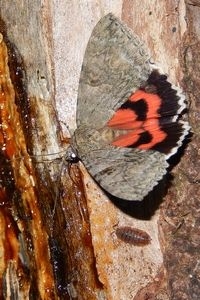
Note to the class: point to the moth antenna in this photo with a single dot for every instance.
(57, 190)
(69, 157)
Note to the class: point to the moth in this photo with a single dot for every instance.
(128, 114)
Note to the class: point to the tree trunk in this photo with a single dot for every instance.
(57, 238)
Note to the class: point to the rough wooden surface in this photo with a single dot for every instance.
(78, 237)
(31, 273)
(180, 220)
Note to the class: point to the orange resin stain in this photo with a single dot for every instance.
(6, 94)
(14, 150)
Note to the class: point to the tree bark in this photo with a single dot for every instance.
(57, 233)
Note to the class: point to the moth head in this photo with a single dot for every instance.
(72, 155)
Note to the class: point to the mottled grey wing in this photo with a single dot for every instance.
(115, 64)
(129, 174)
(126, 173)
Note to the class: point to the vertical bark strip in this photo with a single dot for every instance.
(57, 228)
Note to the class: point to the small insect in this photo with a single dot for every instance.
(133, 236)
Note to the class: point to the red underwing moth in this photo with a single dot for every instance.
(133, 236)
(128, 115)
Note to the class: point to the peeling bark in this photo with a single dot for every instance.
(57, 233)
